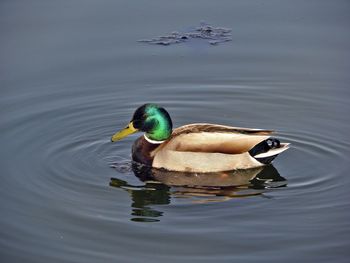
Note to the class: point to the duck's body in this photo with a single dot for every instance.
(198, 147)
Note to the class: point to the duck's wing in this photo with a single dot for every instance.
(214, 139)
(213, 142)
(208, 127)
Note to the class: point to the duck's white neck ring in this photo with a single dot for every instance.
(152, 141)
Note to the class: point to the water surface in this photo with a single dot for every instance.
(72, 74)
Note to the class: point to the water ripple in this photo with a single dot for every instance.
(71, 159)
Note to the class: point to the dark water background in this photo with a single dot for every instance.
(72, 73)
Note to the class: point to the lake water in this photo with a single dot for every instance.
(73, 72)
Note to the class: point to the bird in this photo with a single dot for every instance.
(197, 147)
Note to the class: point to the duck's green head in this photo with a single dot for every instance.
(151, 119)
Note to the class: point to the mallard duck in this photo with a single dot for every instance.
(198, 147)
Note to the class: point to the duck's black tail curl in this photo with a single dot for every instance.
(264, 147)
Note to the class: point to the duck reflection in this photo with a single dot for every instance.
(161, 185)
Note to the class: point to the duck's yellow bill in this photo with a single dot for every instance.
(124, 132)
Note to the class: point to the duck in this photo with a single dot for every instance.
(197, 147)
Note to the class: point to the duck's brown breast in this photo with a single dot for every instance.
(141, 151)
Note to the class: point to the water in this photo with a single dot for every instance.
(72, 74)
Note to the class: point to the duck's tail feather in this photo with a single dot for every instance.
(268, 150)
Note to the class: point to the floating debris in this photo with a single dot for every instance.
(213, 35)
